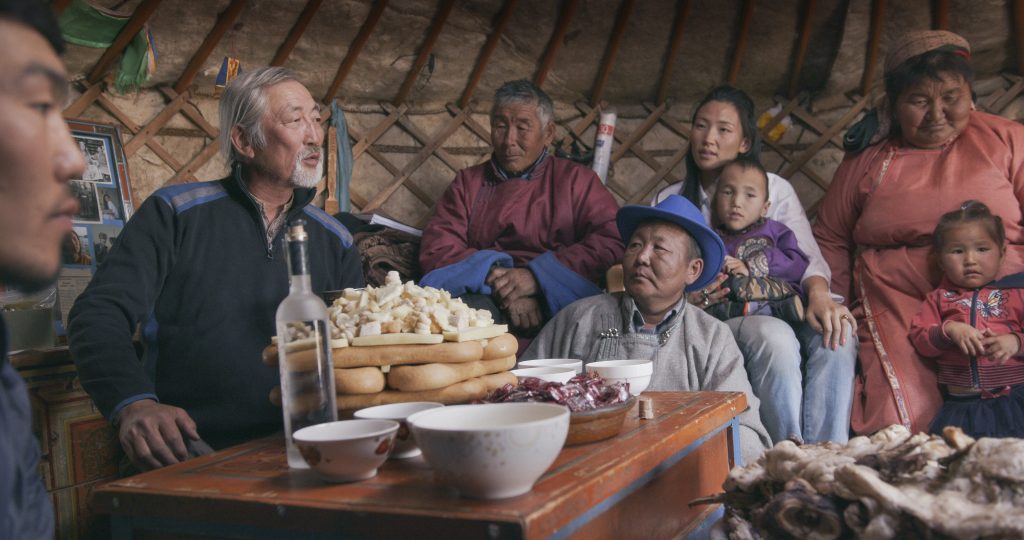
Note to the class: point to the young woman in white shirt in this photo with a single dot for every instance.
(802, 374)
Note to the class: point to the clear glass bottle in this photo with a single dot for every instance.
(304, 351)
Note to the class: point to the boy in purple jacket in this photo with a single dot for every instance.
(762, 257)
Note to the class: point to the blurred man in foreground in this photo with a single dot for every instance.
(39, 157)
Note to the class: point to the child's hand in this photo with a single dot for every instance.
(965, 336)
(1000, 348)
(734, 266)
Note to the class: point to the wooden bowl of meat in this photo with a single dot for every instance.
(597, 408)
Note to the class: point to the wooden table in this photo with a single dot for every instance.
(636, 485)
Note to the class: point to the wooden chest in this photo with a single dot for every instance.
(79, 447)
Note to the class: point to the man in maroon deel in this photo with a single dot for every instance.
(525, 233)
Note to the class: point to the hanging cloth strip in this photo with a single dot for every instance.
(88, 25)
(344, 173)
(230, 68)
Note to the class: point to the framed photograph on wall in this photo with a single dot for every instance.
(104, 190)
(105, 203)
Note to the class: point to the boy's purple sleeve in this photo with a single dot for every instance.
(786, 261)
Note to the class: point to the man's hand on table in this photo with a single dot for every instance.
(151, 433)
(525, 315)
(511, 284)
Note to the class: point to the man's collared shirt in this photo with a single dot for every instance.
(639, 325)
(525, 175)
(273, 226)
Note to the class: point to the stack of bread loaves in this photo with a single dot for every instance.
(401, 342)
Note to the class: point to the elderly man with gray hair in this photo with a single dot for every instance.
(525, 233)
(201, 269)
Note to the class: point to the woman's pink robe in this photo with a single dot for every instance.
(875, 228)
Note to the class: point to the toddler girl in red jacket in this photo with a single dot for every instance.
(972, 326)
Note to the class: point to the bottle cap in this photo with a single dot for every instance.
(646, 408)
(297, 230)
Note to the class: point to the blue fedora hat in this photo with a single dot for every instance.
(682, 212)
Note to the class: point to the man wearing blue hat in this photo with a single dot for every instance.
(669, 250)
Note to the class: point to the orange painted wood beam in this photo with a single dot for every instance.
(224, 22)
(357, 47)
(746, 16)
(58, 6)
(428, 45)
(682, 13)
(557, 37)
(1018, 33)
(940, 14)
(874, 38)
(488, 50)
(801, 47)
(298, 29)
(612, 49)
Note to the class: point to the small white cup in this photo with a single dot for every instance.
(405, 444)
(550, 374)
(346, 450)
(572, 363)
(635, 372)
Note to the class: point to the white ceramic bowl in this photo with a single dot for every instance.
(347, 450)
(576, 365)
(635, 372)
(494, 450)
(405, 443)
(552, 374)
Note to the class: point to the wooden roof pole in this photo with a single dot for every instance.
(940, 14)
(181, 95)
(561, 27)
(1018, 33)
(357, 47)
(224, 22)
(301, 23)
(609, 55)
(135, 23)
(801, 48)
(488, 50)
(875, 37)
(682, 13)
(425, 49)
(746, 16)
(58, 6)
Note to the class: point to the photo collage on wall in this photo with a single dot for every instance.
(104, 206)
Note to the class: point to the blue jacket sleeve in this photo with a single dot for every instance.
(25, 508)
(467, 275)
(560, 285)
(120, 296)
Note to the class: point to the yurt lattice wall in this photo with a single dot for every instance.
(405, 153)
